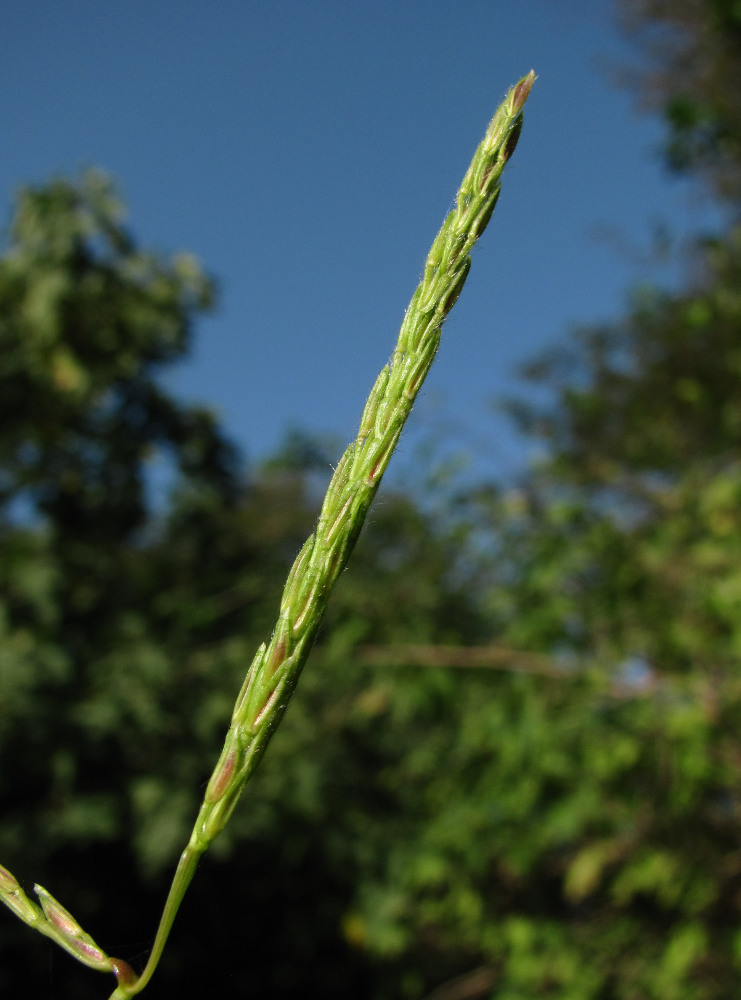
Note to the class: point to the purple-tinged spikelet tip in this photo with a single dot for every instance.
(522, 92)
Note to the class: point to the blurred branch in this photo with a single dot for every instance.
(467, 987)
(621, 685)
(485, 657)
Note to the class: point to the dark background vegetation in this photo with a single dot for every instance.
(512, 767)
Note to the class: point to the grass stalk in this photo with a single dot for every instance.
(273, 674)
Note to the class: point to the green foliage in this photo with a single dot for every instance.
(87, 682)
(614, 851)
(692, 77)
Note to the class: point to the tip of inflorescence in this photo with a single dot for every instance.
(522, 92)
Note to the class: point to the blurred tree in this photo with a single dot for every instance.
(573, 832)
(86, 321)
(693, 77)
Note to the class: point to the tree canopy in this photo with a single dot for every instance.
(692, 76)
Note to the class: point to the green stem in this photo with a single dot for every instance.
(183, 874)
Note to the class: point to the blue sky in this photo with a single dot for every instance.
(307, 151)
